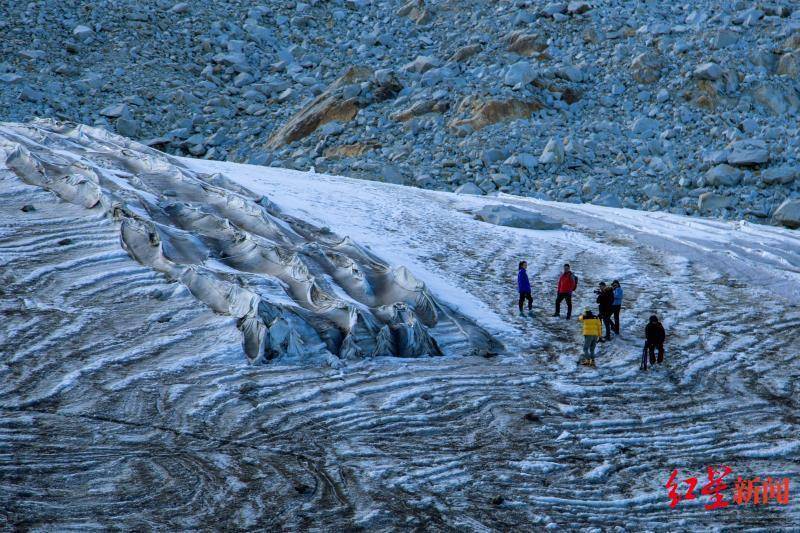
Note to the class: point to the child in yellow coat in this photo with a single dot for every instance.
(592, 329)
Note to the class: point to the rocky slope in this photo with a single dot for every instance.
(688, 108)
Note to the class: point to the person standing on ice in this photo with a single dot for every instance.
(567, 284)
(654, 338)
(524, 287)
(591, 332)
(605, 302)
(617, 305)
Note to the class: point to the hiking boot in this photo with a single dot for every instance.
(556, 314)
(591, 363)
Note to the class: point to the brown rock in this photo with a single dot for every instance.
(526, 44)
(416, 11)
(424, 18)
(590, 36)
(792, 42)
(645, 68)
(774, 10)
(465, 52)
(485, 113)
(789, 65)
(578, 8)
(406, 9)
(350, 150)
(331, 105)
(776, 98)
(421, 64)
(570, 95)
(421, 108)
(707, 95)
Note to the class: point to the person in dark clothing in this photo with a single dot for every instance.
(524, 287)
(654, 338)
(617, 305)
(567, 283)
(605, 302)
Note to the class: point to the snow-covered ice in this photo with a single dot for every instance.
(128, 400)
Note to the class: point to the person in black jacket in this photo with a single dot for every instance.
(605, 304)
(654, 335)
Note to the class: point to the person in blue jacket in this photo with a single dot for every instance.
(617, 305)
(524, 287)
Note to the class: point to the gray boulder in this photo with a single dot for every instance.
(127, 127)
(570, 73)
(578, 7)
(384, 76)
(783, 174)
(775, 99)
(529, 161)
(724, 175)
(115, 111)
(469, 188)
(708, 71)
(82, 32)
(465, 52)
(421, 64)
(500, 179)
(608, 199)
(493, 155)
(788, 214)
(724, 38)
(589, 187)
(514, 217)
(710, 201)
(181, 7)
(33, 55)
(10, 78)
(644, 125)
(646, 67)
(392, 174)
(554, 8)
(519, 74)
(553, 152)
(749, 152)
(29, 94)
(242, 79)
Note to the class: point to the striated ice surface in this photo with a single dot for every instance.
(127, 403)
(298, 292)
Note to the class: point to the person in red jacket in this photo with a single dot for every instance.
(567, 284)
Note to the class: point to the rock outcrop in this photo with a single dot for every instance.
(484, 113)
(644, 94)
(337, 103)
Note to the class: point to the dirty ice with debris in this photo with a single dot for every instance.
(190, 344)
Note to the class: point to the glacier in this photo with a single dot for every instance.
(191, 344)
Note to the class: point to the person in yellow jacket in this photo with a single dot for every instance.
(592, 329)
